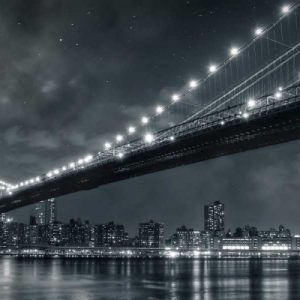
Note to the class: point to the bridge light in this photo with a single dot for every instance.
(80, 161)
(31, 180)
(72, 165)
(88, 158)
(56, 172)
(280, 89)
(251, 103)
(172, 138)
(120, 155)
(193, 84)
(49, 174)
(259, 31)
(175, 97)
(119, 138)
(38, 179)
(159, 109)
(64, 168)
(245, 115)
(21, 184)
(222, 123)
(145, 120)
(212, 68)
(107, 146)
(234, 51)
(285, 9)
(148, 138)
(278, 95)
(131, 130)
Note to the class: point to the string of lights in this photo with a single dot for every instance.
(111, 148)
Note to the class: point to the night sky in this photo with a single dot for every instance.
(74, 73)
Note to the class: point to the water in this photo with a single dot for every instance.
(61, 279)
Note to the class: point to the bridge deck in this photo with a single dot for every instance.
(278, 125)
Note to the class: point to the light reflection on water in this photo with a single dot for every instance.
(148, 279)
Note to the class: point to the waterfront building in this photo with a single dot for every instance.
(276, 244)
(151, 235)
(214, 218)
(186, 238)
(236, 243)
(111, 235)
(296, 242)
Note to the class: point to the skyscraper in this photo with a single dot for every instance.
(45, 212)
(214, 217)
(51, 211)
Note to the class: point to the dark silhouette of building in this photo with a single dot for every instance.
(111, 235)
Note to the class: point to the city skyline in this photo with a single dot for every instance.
(213, 223)
(79, 238)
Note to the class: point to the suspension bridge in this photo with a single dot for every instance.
(250, 100)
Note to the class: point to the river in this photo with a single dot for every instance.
(83, 279)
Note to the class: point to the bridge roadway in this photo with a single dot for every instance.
(268, 125)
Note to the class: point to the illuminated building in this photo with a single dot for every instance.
(186, 238)
(151, 235)
(214, 216)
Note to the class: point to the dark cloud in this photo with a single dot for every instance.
(73, 73)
